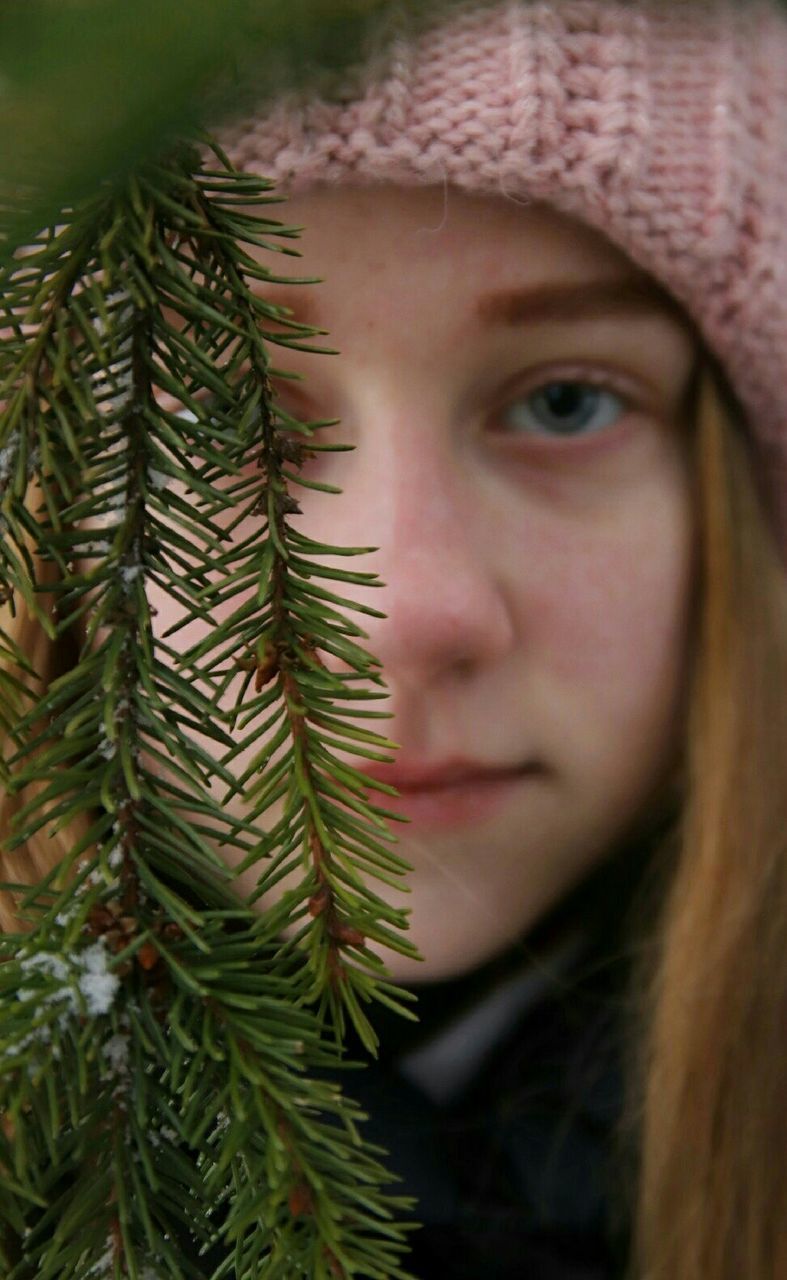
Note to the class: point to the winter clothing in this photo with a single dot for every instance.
(662, 123)
(513, 1160)
(499, 1107)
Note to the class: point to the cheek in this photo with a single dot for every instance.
(608, 612)
(621, 615)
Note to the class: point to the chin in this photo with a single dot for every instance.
(439, 963)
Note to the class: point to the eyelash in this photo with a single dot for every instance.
(585, 378)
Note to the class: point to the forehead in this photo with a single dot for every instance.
(489, 258)
(428, 214)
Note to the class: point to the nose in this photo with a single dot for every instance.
(444, 597)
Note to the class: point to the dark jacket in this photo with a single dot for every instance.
(513, 1161)
(510, 1157)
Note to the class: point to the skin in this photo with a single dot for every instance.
(538, 585)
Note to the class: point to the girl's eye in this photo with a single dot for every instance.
(569, 408)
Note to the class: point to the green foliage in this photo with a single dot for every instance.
(166, 1050)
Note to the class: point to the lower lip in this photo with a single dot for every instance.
(461, 804)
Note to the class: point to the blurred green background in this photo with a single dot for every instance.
(88, 88)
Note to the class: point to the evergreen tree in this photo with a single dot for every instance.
(168, 1054)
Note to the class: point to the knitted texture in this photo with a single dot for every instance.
(661, 123)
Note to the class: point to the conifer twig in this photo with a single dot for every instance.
(163, 1045)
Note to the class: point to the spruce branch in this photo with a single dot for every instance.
(163, 1045)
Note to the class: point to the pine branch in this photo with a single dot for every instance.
(163, 1048)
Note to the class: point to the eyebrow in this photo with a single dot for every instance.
(595, 300)
(612, 298)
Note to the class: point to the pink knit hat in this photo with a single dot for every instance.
(662, 123)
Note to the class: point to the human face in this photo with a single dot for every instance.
(537, 581)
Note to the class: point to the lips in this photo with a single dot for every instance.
(414, 778)
(453, 795)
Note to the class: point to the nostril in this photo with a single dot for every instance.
(464, 668)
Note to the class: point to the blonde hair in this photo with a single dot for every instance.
(708, 1037)
(27, 864)
(707, 1050)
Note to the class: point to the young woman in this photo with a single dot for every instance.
(552, 239)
